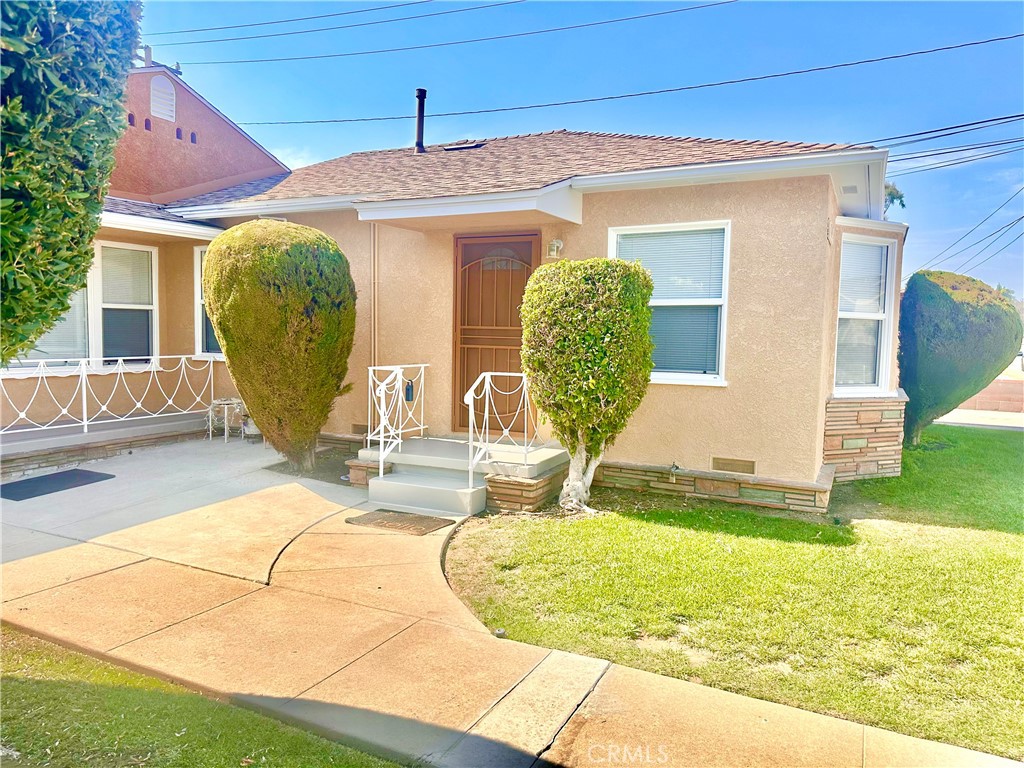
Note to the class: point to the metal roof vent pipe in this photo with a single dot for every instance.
(421, 101)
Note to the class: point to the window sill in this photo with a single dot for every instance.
(866, 393)
(687, 379)
(215, 357)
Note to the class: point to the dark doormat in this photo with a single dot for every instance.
(406, 522)
(30, 487)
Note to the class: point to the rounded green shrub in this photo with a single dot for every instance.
(283, 305)
(587, 355)
(64, 70)
(956, 335)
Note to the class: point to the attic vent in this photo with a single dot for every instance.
(161, 98)
(460, 147)
(849, 189)
(743, 466)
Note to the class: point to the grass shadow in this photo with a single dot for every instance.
(721, 517)
(958, 477)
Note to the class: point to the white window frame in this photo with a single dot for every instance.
(97, 305)
(674, 377)
(885, 343)
(199, 302)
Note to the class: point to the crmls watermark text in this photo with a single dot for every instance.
(627, 754)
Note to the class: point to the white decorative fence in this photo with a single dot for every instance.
(52, 394)
(500, 418)
(396, 403)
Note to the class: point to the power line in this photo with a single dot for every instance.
(926, 153)
(287, 21)
(345, 26)
(1018, 237)
(462, 42)
(951, 163)
(946, 134)
(990, 235)
(616, 97)
(1005, 230)
(946, 128)
(972, 229)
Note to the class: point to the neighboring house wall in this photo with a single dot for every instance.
(1005, 394)
(155, 165)
(174, 309)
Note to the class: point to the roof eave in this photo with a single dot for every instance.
(867, 202)
(154, 226)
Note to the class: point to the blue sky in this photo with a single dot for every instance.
(729, 41)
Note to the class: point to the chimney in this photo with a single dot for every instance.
(147, 53)
(421, 100)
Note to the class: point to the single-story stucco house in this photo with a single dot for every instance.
(774, 311)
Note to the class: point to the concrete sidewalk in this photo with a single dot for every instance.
(272, 600)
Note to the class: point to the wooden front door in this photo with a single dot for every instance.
(490, 276)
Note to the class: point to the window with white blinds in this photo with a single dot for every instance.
(688, 266)
(206, 339)
(114, 316)
(126, 287)
(69, 338)
(861, 347)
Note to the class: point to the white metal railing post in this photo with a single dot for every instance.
(395, 416)
(83, 382)
(481, 441)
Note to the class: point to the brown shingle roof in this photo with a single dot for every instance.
(503, 164)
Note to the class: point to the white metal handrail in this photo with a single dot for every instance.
(56, 393)
(480, 400)
(396, 406)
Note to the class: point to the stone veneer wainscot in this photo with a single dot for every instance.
(864, 437)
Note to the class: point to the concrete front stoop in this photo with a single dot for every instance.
(430, 475)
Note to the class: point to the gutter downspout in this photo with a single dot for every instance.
(374, 279)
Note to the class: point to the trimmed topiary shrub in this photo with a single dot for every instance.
(283, 305)
(956, 335)
(64, 70)
(587, 355)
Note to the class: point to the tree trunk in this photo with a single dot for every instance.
(304, 461)
(575, 493)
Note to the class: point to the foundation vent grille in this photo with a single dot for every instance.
(742, 466)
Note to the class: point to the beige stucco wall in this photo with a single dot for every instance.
(772, 409)
(780, 319)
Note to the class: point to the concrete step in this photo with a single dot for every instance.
(453, 454)
(429, 492)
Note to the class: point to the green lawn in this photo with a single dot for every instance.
(65, 710)
(908, 617)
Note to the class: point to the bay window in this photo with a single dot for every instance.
(689, 265)
(206, 340)
(863, 338)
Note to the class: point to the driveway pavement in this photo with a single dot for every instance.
(196, 564)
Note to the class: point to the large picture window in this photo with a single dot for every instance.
(689, 264)
(862, 339)
(69, 338)
(206, 339)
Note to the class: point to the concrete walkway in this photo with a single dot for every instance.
(965, 417)
(263, 594)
